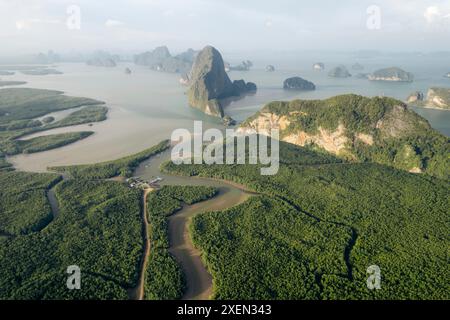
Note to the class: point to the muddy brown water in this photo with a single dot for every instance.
(198, 280)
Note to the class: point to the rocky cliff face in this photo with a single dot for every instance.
(438, 98)
(415, 97)
(209, 83)
(356, 128)
(160, 59)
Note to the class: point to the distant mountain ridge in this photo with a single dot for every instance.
(160, 59)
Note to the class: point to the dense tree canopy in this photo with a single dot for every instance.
(324, 225)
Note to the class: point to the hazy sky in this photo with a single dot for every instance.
(27, 26)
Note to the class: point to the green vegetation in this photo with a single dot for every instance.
(391, 126)
(164, 277)
(122, 167)
(43, 143)
(98, 229)
(47, 120)
(339, 72)
(19, 108)
(391, 74)
(85, 115)
(316, 229)
(24, 103)
(19, 193)
(4, 165)
(12, 126)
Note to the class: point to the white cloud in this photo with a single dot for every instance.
(110, 23)
(432, 14)
(435, 14)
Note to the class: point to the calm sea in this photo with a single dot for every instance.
(146, 106)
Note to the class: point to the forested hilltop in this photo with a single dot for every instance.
(359, 129)
(319, 224)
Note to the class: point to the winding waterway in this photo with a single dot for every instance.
(51, 196)
(198, 280)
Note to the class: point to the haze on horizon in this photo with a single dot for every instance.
(31, 26)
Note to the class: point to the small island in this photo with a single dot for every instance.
(209, 83)
(358, 67)
(102, 62)
(392, 74)
(362, 76)
(48, 120)
(160, 59)
(297, 83)
(339, 72)
(244, 66)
